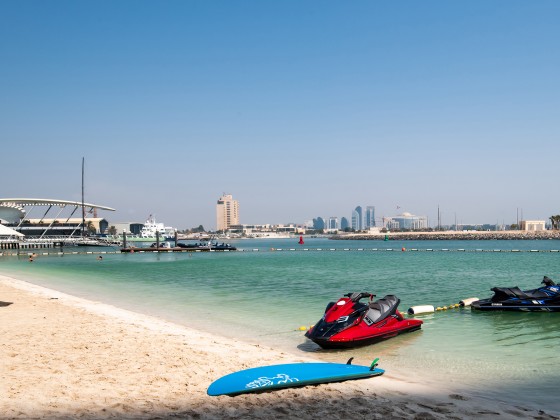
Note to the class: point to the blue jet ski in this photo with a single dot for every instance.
(543, 299)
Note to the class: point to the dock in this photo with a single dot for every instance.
(174, 249)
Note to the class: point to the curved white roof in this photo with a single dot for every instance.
(48, 202)
(6, 231)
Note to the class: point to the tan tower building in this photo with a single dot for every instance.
(227, 212)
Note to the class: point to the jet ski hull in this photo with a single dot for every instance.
(487, 305)
(335, 343)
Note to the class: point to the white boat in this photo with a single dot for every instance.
(150, 229)
(148, 232)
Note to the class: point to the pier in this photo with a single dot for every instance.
(131, 250)
(29, 245)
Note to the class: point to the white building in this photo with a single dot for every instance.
(267, 230)
(532, 225)
(333, 223)
(405, 221)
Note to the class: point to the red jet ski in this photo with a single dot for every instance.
(351, 323)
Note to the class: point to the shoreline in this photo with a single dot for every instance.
(453, 236)
(70, 357)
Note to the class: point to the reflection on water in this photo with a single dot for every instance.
(517, 328)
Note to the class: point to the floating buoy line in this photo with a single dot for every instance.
(403, 249)
(305, 328)
(428, 309)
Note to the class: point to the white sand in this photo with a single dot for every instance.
(66, 357)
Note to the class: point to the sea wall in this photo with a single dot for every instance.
(452, 235)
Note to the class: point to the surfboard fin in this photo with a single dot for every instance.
(374, 363)
(349, 362)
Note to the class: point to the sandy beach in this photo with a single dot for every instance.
(66, 357)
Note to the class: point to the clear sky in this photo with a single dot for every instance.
(297, 108)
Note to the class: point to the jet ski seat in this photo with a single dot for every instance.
(501, 293)
(381, 309)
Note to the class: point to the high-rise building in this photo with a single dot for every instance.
(333, 223)
(344, 223)
(370, 217)
(357, 219)
(227, 212)
(319, 223)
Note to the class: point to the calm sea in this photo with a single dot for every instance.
(264, 296)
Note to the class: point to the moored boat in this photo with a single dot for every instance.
(351, 323)
(151, 229)
(212, 246)
(149, 232)
(542, 299)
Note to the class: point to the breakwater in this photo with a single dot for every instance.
(452, 235)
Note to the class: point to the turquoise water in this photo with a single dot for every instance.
(264, 297)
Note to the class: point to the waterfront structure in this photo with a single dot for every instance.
(357, 219)
(266, 231)
(11, 213)
(319, 223)
(333, 223)
(148, 231)
(15, 213)
(405, 221)
(130, 228)
(532, 225)
(369, 217)
(67, 227)
(9, 238)
(227, 212)
(43, 232)
(467, 227)
(7, 233)
(344, 224)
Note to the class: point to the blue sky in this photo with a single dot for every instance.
(298, 108)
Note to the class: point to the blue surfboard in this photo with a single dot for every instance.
(265, 378)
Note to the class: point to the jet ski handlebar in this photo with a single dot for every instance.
(356, 296)
(547, 281)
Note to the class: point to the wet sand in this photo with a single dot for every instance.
(66, 357)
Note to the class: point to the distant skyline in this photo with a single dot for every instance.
(297, 109)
